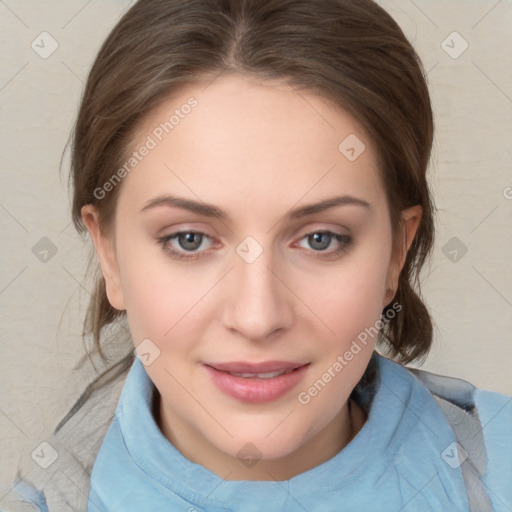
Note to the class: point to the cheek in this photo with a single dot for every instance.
(350, 305)
(160, 297)
(348, 297)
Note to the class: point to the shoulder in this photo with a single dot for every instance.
(495, 411)
(482, 423)
(63, 483)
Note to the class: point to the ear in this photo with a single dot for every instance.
(410, 222)
(106, 254)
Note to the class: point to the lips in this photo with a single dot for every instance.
(254, 368)
(267, 375)
(256, 382)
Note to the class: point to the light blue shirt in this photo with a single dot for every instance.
(402, 460)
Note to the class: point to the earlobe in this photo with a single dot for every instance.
(106, 255)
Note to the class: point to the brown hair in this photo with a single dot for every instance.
(350, 51)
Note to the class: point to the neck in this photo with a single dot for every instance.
(317, 450)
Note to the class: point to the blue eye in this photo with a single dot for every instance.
(187, 245)
(188, 242)
(320, 241)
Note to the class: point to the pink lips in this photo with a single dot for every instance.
(254, 386)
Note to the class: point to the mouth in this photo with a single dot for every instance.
(256, 382)
(268, 375)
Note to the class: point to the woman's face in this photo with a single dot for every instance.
(251, 238)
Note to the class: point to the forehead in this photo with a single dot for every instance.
(239, 140)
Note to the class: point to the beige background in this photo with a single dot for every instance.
(42, 303)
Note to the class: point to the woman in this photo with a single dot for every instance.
(253, 177)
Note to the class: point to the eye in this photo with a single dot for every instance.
(189, 245)
(320, 241)
(182, 242)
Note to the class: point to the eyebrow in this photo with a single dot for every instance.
(209, 210)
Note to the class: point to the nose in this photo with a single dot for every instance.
(258, 302)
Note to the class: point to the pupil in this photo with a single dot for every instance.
(317, 240)
(188, 241)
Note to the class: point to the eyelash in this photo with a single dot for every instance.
(345, 242)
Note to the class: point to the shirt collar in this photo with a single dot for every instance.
(155, 455)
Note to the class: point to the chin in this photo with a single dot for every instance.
(265, 444)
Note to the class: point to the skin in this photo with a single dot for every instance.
(256, 150)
